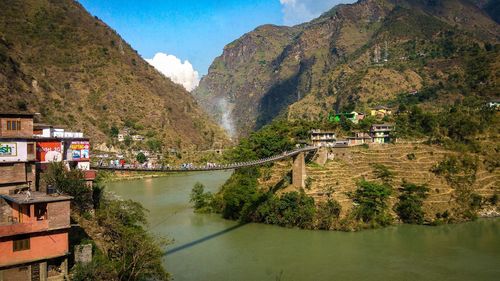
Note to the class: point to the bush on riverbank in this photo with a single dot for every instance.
(411, 198)
(371, 203)
(126, 251)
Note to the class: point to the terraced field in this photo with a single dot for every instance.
(338, 177)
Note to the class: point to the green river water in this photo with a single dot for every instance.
(207, 247)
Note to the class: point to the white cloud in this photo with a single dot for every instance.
(172, 67)
(299, 11)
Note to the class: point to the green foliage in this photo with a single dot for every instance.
(239, 194)
(272, 139)
(409, 207)
(154, 144)
(292, 209)
(141, 158)
(134, 255)
(383, 173)
(70, 182)
(113, 131)
(371, 199)
(411, 156)
(460, 173)
(201, 199)
(327, 213)
(127, 140)
(308, 183)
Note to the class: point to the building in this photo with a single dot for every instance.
(359, 138)
(381, 133)
(494, 104)
(33, 225)
(49, 131)
(323, 138)
(353, 116)
(381, 111)
(34, 230)
(17, 152)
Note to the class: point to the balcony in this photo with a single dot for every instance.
(15, 228)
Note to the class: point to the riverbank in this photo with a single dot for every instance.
(229, 251)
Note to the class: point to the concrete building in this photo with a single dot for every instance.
(381, 133)
(359, 138)
(323, 138)
(381, 111)
(33, 225)
(17, 152)
(34, 230)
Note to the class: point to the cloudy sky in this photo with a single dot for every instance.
(182, 37)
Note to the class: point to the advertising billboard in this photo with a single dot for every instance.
(8, 149)
(49, 151)
(79, 151)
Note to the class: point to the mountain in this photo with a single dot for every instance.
(353, 57)
(56, 59)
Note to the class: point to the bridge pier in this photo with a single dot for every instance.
(299, 171)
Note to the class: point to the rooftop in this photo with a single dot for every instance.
(35, 197)
(16, 115)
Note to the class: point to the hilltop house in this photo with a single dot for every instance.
(352, 116)
(381, 133)
(381, 111)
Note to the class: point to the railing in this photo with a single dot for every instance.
(231, 166)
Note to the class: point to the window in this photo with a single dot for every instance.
(21, 244)
(31, 148)
(41, 212)
(13, 125)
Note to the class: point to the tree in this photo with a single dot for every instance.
(134, 254)
(200, 198)
(71, 182)
(409, 207)
(127, 140)
(371, 199)
(113, 131)
(141, 158)
(383, 173)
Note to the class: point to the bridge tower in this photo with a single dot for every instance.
(299, 171)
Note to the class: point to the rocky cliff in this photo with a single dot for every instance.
(352, 57)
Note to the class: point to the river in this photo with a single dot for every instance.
(207, 247)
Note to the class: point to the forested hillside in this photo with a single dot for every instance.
(56, 59)
(357, 56)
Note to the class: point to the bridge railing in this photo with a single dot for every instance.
(230, 166)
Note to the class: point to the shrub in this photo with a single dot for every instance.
(326, 213)
(409, 207)
(70, 182)
(371, 199)
(200, 198)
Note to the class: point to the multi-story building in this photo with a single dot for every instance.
(323, 138)
(34, 222)
(17, 152)
(381, 133)
(359, 138)
(34, 230)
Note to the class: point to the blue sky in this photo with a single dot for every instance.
(197, 30)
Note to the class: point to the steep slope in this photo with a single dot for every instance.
(56, 59)
(353, 56)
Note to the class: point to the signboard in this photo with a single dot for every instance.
(79, 150)
(8, 149)
(49, 151)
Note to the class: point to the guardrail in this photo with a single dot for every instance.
(231, 166)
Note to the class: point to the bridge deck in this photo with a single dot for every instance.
(215, 168)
